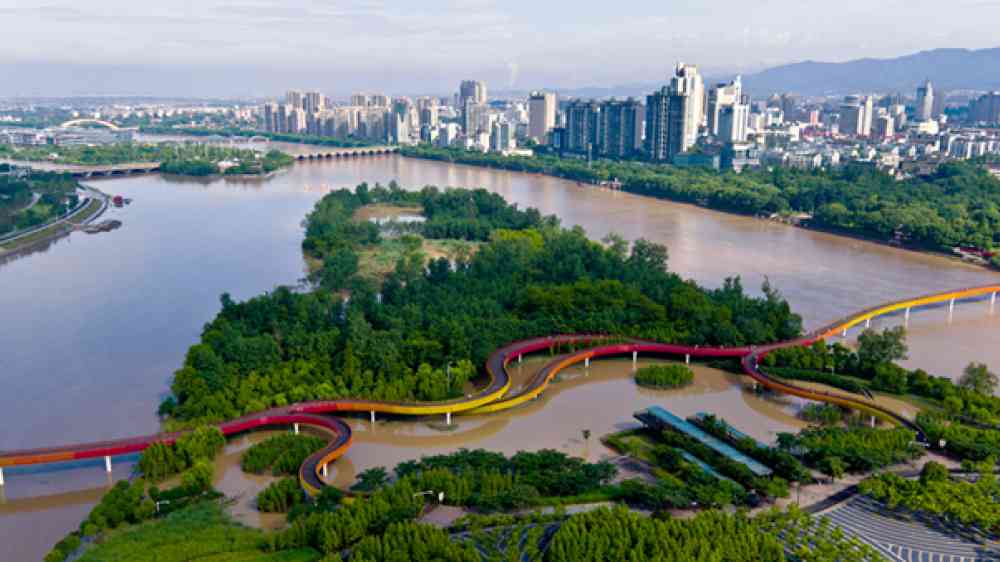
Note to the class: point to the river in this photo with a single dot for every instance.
(94, 325)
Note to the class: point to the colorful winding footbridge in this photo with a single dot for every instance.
(497, 395)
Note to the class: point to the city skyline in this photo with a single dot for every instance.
(383, 45)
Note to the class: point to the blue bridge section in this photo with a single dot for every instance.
(660, 418)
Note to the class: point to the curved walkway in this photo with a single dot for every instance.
(493, 397)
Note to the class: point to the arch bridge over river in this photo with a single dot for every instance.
(496, 395)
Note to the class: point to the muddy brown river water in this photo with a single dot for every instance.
(94, 325)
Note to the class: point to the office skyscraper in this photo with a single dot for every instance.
(721, 96)
(541, 115)
(852, 116)
(869, 110)
(471, 102)
(674, 114)
(474, 90)
(884, 127)
(925, 102)
(733, 121)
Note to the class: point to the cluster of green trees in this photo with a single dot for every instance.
(333, 531)
(681, 484)
(518, 539)
(664, 376)
(821, 413)
(769, 487)
(395, 341)
(491, 481)
(132, 502)
(619, 534)
(281, 454)
(837, 450)
(334, 238)
(175, 158)
(161, 460)
(961, 440)
(814, 539)
(959, 204)
(783, 463)
(873, 366)
(55, 194)
(969, 504)
(281, 496)
(412, 541)
(125, 503)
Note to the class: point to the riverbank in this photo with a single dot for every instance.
(84, 214)
(836, 200)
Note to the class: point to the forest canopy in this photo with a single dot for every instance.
(428, 328)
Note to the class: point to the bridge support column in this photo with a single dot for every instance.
(325, 471)
(373, 416)
(906, 318)
(844, 333)
(993, 302)
(586, 363)
(635, 358)
(1, 476)
(295, 428)
(107, 464)
(447, 418)
(687, 358)
(951, 310)
(520, 357)
(873, 421)
(868, 323)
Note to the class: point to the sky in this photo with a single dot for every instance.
(257, 47)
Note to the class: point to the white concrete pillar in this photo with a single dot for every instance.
(447, 418)
(868, 323)
(635, 358)
(373, 416)
(993, 302)
(296, 428)
(951, 310)
(107, 464)
(586, 362)
(687, 358)
(519, 357)
(906, 318)
(844, 333)
(873, 421)
(325, 472)
(1, 476)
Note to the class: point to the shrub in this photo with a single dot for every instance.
(664, 376)
(281, 496)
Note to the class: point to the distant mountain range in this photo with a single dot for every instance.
(948, 69)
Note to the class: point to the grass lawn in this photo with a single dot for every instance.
(377, 261)
(202, 532)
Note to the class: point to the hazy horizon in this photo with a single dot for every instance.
(259, 48)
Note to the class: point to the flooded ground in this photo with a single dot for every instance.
(95, 325)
